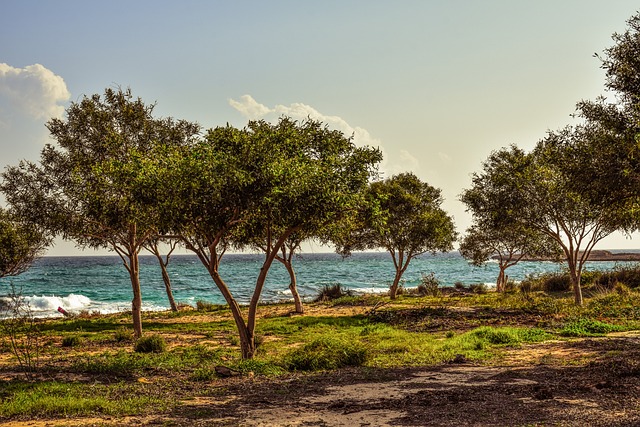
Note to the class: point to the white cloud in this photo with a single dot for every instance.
(394, 162)
(33, 90)
(249, 107)
(29, 97)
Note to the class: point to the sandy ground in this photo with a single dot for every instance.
(586, 382)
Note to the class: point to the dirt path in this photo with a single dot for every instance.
(587, 382)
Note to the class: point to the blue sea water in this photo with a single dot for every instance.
(101, 283)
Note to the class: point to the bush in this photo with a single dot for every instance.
(332, 292)
(629, 275)
(548, 282)
(479, 288)
(205, 306)
(150, 344)
(460, 286)
(429, 285)
(327, 353)
(71, 341)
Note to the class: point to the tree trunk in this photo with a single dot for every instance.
(247, 342)
(575, 284)
(393, 291)
(136, 303)
(501, 282)
(167, 286)
(293, 287)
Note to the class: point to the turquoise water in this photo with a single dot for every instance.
(101, 283)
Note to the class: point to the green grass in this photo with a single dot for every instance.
(588, 328)
(53, 399)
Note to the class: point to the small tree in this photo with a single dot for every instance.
(497, 230)
(560, 207)
(93, 187)
(402, 215)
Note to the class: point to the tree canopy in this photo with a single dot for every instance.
(258, 187)
(401, 214)
(498, 229)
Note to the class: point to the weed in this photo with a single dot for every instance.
(205, 306)
(23, 331)
(429, 285)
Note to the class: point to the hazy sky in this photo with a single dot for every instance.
(437, 85)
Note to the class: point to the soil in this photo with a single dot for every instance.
(583, 382)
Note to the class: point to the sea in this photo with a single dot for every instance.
(101, 283)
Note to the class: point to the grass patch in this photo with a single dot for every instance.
(327, 353)
(53, 399)
(150, 344)
(588, 328)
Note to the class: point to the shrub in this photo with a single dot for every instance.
(429, 285)
(71, 341)
(548, 282)
(205, 306)
(460, 286)
(150, 344)
(327, 353)
(629, 275)
(479, 288)
(332, 292)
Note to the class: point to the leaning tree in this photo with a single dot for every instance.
(279, 179)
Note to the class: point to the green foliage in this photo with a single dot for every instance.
(584, 327)
(510, 336)
(150, 344)
(20, 244)
(327, 353)
(258, 367)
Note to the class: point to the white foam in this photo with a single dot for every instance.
(49, 303)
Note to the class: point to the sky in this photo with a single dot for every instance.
(437, 85)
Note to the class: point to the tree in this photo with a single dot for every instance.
(402, 215)
(93, 186)
(558, 204)
(20, 244)
(497, 230)
(277, 180)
